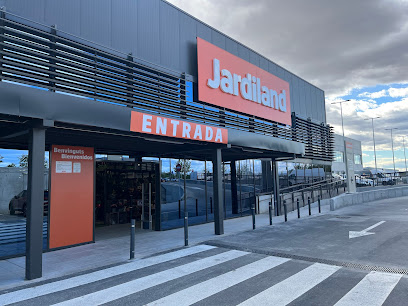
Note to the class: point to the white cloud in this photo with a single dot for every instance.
(374, 95)
(398, 92)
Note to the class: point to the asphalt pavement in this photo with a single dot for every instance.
(353, 256)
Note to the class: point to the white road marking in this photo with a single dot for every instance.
(353, 234)
(137, 285)
(217, 284)
(372, 290)
(28, 293)
(291, 288)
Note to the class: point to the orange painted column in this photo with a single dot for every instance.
(72, 196)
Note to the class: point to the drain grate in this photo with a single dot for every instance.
(311, 259)
(342, 217)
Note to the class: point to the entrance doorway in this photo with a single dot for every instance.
(125, 190)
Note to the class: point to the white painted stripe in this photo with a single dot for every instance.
(28, 293)
(291, 288)
(217, 284)
(372, 290)
(137, 285)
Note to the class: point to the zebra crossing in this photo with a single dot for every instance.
(208, 275)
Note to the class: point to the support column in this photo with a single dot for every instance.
(157, 212)
(218, 193)
(234, 189)
(275, 172)
(35, 204)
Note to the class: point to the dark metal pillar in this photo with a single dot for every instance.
(234, 189)
(217, 192)
(157, 212)
(275, 172)
(35, 204)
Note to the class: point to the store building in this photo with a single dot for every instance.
(339, 166)
(142, 79)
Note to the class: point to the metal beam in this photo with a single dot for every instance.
(35, 204)
(218, 194)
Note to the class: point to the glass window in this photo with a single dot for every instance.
(357, 159)
(339, 157)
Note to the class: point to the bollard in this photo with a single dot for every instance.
(298, 210)
(308, 204)
(258, 206)
(186, 228)
(286, 212)
(179, 209)
(132, 239)
(196, 207)
(253, 216)
(318, 203)
(303, 198)
(270, 213)
(211, 205)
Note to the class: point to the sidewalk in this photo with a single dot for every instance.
(112, 247)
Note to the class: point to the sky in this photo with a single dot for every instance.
(355, 50)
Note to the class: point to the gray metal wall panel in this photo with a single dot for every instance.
(294, 98)
(157, 32)
(188, 44)
(218, 39)
(231, 46)
(148, 32)
(169, 36)
(124, 26)
(263, 63)
(302, 98)
(253, 58)
(203, 31)
(30, 9)
(96, 21)
(323, 104)
(67, 20)
(243, 52)
(272, 68)
(309, 106)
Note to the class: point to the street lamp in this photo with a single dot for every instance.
(405, 156)
(344, 142)
(392, 147)
(375, 155)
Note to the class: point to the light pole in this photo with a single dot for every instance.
(344, 142)
(392, 147)
(405, 156)
(375, 155)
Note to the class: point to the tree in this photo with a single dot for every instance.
(23, 161)
(186, 166)
(12, 165)
(1, 159)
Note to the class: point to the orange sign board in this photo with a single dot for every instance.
(162, 126)
(228, 81)
(72, 196)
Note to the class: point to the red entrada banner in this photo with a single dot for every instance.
(228, 81)
(162, 126)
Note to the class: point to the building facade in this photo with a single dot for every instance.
(339, 167)
(144, 79)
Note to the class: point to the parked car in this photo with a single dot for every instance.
(19, 203)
